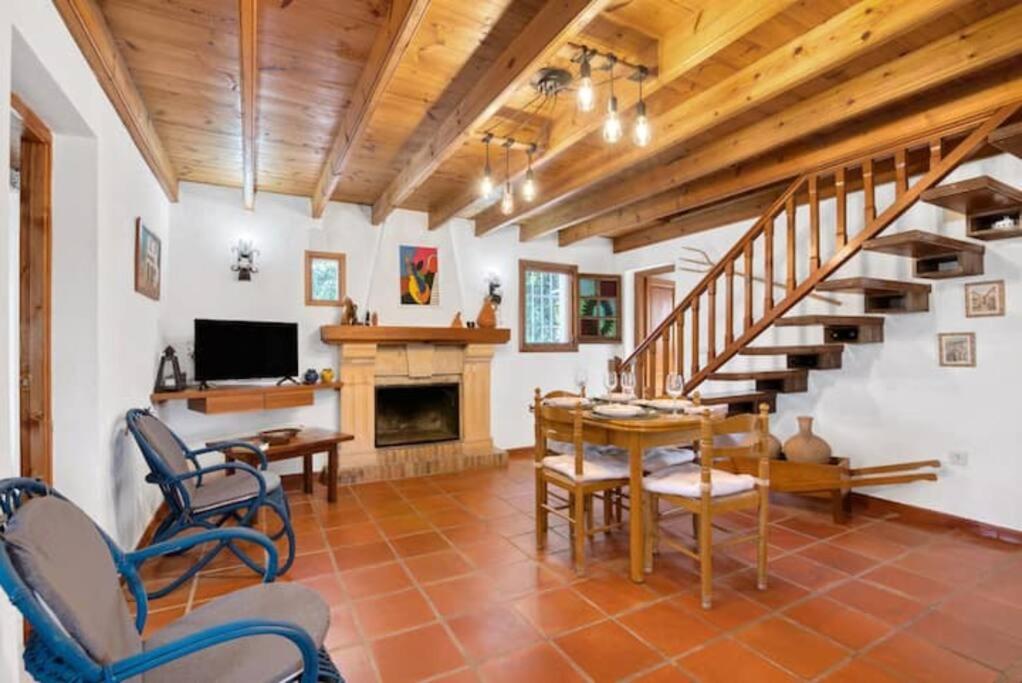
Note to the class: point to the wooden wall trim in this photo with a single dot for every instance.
(85, 21)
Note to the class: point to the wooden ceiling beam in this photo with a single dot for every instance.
(680, 50)
(248, 39)
(388, 48)
(88, 27)
(530, 49)
(930, 118)
(863, 26)
(976, 47)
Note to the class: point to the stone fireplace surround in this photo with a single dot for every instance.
(365, 366)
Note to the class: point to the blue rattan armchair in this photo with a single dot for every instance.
(62, 573)
(196, 500)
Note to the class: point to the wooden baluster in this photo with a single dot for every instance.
(748, 286)
(679, 340)
(695, 335)
(900, 173)
(729, 303)
(665, 366)
(814, 225)
(789, 211)
(650, 390)
(936, 152)
(638, 368)
(711, 321)
(869, 206)
(768, 266)
(842, 208)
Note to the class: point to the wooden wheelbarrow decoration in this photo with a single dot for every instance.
(835, 478)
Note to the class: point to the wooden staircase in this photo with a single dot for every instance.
(729, 309)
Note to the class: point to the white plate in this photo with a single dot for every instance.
(567, 402)
(664, 403)
(618, 410)
(617, 397)
(719, 410)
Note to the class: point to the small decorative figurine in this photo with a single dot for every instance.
(311, 376)
(375, 321)
(174, 380)
(457, 320)
(349, 311)
(368, 319)
(326, 375)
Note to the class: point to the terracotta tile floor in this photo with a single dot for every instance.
(438, 579)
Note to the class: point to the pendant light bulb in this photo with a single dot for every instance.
(641, 133)
(486, 182)
(612, 124)
(586, 96)
(507, 201)
(529, 186)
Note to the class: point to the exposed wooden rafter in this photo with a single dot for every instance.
(680, 50)
(248, 39)
(389, 46)
(864, 26)
(978, 46)
(552, 25)
(85, 21)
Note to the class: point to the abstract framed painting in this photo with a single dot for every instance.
(420, 276)
(148, 253)
(957, 349)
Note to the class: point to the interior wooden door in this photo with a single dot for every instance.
(36, 413)
(654, 301)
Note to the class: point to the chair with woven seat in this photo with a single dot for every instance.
(705, 491)
(201, 498)
(63, 574)
(580, 476)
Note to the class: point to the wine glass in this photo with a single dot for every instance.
(628, 382)
(581, 378)
(610, 381)
(675, 387)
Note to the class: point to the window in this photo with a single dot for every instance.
(324, 278)
(599, 309)
(547, 306)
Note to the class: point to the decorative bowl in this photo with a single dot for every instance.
(277, 437)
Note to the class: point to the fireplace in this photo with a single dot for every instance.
(417, 414)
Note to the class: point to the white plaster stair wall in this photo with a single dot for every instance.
(891, 401)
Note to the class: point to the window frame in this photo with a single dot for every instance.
(598, 339)
(337, 256)
(524, 266)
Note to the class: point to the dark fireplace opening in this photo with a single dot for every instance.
(419, 413)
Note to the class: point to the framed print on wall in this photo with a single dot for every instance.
(148, 252)
(957, 349)
(420, 276)
(984, 299)
(324, 278)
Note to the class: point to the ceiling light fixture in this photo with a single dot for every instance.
(641, 133)
(507, 200)
(486, 183)
(612, 124)
(529, 186)
(585, 95)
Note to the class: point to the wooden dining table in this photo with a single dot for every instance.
(636, 435)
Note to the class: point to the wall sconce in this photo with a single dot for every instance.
(245, 255)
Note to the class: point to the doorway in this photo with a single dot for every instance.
(654, 300)
(31, 163)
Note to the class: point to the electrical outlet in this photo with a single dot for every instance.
(959, 459)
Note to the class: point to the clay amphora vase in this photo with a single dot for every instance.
(487, 318)
(806, 446)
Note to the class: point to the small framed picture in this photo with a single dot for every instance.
(984, 299)
(148, 251)
(957, 349)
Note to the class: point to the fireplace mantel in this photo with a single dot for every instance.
(363, 334)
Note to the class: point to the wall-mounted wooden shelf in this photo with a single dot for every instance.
(936, 256)
(246, 398)
(362, 334)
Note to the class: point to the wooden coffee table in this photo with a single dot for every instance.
(305, 444)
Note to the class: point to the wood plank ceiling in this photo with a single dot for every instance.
(387, 102)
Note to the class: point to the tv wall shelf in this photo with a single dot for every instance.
(240, 398)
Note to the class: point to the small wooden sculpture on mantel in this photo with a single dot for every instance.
(349, 312)
(457, 320)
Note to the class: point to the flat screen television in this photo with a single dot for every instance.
(244, 349)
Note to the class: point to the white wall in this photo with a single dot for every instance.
(209, 220)
(892, 402)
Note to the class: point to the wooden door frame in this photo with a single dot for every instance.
(642, 279)
(35, 291)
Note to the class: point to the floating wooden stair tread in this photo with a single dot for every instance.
(1008, 138)
(842, 320)
(841, 329)
(782, 381)
(975, 195)
(798, 350)
(936, 256)
(742, 402)
(883, 296)
(872, 285)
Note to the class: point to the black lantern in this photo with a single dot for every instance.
(169, 378)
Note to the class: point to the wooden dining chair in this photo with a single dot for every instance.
(705, 491)
(580, 478)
